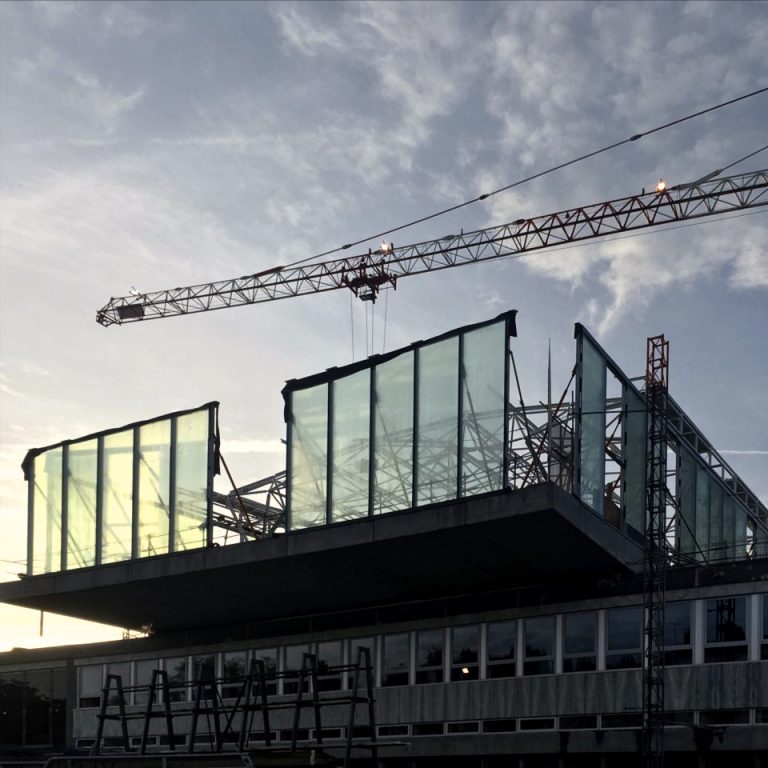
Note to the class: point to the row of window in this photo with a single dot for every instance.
(574, 642)
(623, 720)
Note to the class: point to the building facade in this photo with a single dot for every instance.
(487, 553)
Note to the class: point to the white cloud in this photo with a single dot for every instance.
(124, 19)
(81, 96)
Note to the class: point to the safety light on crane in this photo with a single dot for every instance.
(661, 187)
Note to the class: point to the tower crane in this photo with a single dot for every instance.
(366, 274)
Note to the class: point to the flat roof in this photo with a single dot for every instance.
(539, 535)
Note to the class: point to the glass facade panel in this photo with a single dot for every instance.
(142, 675)
(726, 630)
(483, 401)
(234, 667)
(636, 439)
(329, 660)
(677, 633)
(579, 633)
(90, 682)
(351, 446)
(623, 637)
(293, 662)
(117, 497)
(764, 641)
(592, 441)
(393, 452)
(192, 450)
(176, 669)
(396, 653)
(429, 656)
(309, 456)
(82, 465)
(539, 638)
(269, 657)
(46, 525)
(501, 649)
(437, 443)
(694, 529)
(465, 653)
(38, 707)
(154, 488)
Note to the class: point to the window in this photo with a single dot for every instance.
(539, 646)
(623, 638)
(578, 722)
(677, 634)
(624, 720)
(269, 657)
(396, 660)
(724, 717)
(354, 654)
(234, 670)
(142, 671)
(764, 642)
(293, 661)
(176, 668)
(329, 660)
(501, 649)
(90, 683)
(465, 648)
(203, 672)
(579, 632)
(726, 630)
(123, 671)
(429, 656)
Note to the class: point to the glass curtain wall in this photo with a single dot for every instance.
(393, 429)
(424, 425)
(135, 492)
(592, 386)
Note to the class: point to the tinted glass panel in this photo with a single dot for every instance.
(38, 707)
(329, 659)
(466, 645)
(11, 697)
(765, 617)
(89, 686)
(539, 645)
(394, 435)
(437, 448)
(309, 456)
(354, 646)
(154, 488)
(539, 637)
(396, 655)
(579, 632)
(269, 657)
(117, 497)
(429, 656)
(677, 623)
(176, 668)
(501, 640)
(123, 671)
(727, 620)
(351, 446)
(46, 541)
(191, 480)
(635, 426)
(592, 456)
(483, 400)
(143, 671)
(623, 628)
(81, 504)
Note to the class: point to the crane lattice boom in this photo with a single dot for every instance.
(366, 274)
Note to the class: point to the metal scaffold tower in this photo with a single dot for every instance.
(655, 558)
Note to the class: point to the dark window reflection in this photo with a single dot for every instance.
(501, 649)
(579, 632)
(329, 659)
(727, 620)
(623, 638)
(396, 653)
(465, 645)
(429, 656)
(539, 646)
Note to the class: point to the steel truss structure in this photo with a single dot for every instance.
(367, 273)
(655, 552)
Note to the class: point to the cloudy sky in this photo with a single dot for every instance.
(166, 144)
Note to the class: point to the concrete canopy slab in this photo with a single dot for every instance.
(507, 539)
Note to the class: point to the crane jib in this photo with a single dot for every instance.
(367, 274)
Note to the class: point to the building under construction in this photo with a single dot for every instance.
(447, 573)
